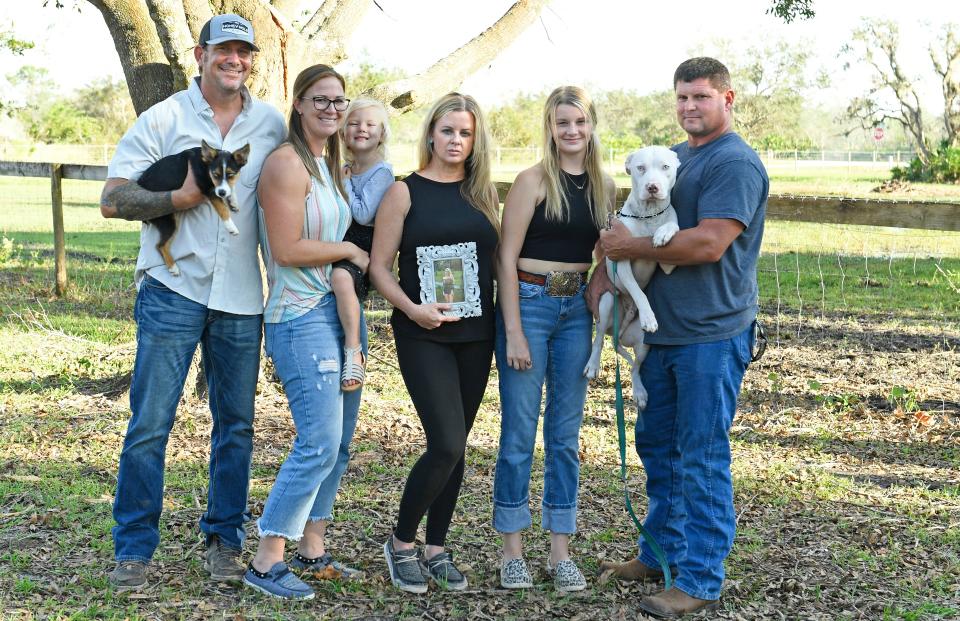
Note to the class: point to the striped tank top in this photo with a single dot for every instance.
(294, 291)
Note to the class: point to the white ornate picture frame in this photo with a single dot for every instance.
(450, 274)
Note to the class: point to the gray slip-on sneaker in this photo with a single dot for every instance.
(404, 566)
(441, 570)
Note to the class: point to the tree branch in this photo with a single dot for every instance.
(948, 69)
(331, 26)
(175, 39)
(449, 73)
(146, 69)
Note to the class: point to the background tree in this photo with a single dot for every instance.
(106, 102)
(773, 84)
(517, 122)
(154, 40)
(893, 95)
(10, 43)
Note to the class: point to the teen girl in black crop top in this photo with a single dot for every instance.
(445, 360)
(551, 222)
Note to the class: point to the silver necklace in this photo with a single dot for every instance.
(579, 187)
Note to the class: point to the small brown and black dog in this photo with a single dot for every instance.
(215, 171)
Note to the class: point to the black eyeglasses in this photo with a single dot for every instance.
(322, 103)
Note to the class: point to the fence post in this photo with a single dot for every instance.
(59, 243)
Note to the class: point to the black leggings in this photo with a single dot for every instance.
(446, 383)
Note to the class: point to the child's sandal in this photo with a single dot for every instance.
(352, 370)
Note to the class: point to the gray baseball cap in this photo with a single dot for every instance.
(228, 27)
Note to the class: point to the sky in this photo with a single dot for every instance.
(600, 44)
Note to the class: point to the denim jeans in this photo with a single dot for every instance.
(169, 327)
(682, 439)
(558, 332)
(307, 354)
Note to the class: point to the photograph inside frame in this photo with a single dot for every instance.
(448, 274)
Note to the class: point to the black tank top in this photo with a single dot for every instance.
(565, 241)
(440, 216)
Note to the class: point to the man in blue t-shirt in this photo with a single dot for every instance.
(706, 310)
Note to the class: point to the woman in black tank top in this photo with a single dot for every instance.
(551, 222)
(444, 216)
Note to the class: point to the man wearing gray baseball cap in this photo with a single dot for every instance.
(229, 27)
(215, 301)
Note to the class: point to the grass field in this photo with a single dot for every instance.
(846, 446)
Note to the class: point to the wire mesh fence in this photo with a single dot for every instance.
(884, 295)
(504, 159)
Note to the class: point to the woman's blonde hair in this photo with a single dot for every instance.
(476, 189)
(297, 137)
(383, 117)
(598, 194)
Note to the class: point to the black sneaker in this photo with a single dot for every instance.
(404, 568)
(128, 576)
(441, 570)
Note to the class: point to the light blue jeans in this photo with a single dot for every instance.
(307, 354)
(682, 438)
(558, 332)
(169, 328)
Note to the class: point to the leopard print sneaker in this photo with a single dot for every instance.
(514, 574)
(566, 576)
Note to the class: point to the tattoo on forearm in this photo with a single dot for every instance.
(133, 202)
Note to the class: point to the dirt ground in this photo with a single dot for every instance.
(847, 483)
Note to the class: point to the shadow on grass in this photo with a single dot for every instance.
(887, 452)
(111, 386)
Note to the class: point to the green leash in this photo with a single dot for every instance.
(622, 437)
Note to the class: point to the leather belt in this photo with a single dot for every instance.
(556, 284)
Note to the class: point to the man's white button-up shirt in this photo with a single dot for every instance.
(219, 270)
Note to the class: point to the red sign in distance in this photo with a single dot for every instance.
(878, 133)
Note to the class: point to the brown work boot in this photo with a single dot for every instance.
(674, 603)
(223, 562)
(631, 570)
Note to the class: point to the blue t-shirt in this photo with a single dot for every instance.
(704, 303)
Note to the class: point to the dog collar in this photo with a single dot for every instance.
(620, 214)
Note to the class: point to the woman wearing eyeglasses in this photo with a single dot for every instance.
(304, 216)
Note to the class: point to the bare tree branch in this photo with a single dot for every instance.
(948, 68)
(197, 13)
(296, 10)
(449, 72)
(332, 24)
(884, 37)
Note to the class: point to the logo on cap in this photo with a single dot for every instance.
(235, 27)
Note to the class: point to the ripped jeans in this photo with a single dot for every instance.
(307, 354)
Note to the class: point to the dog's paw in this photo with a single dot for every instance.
(648, 321)
(174, 270)
(663, 235)
(233, 206)
(640, 396)
(591, 370)
(231, 227)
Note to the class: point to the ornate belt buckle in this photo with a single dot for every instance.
(563, 284)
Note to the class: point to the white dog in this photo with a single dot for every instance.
(647, 212)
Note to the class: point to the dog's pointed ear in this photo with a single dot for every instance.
(241, 155)
(626, 164)
(207, 153)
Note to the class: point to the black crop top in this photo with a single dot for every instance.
(570, 241)
(439, 216)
